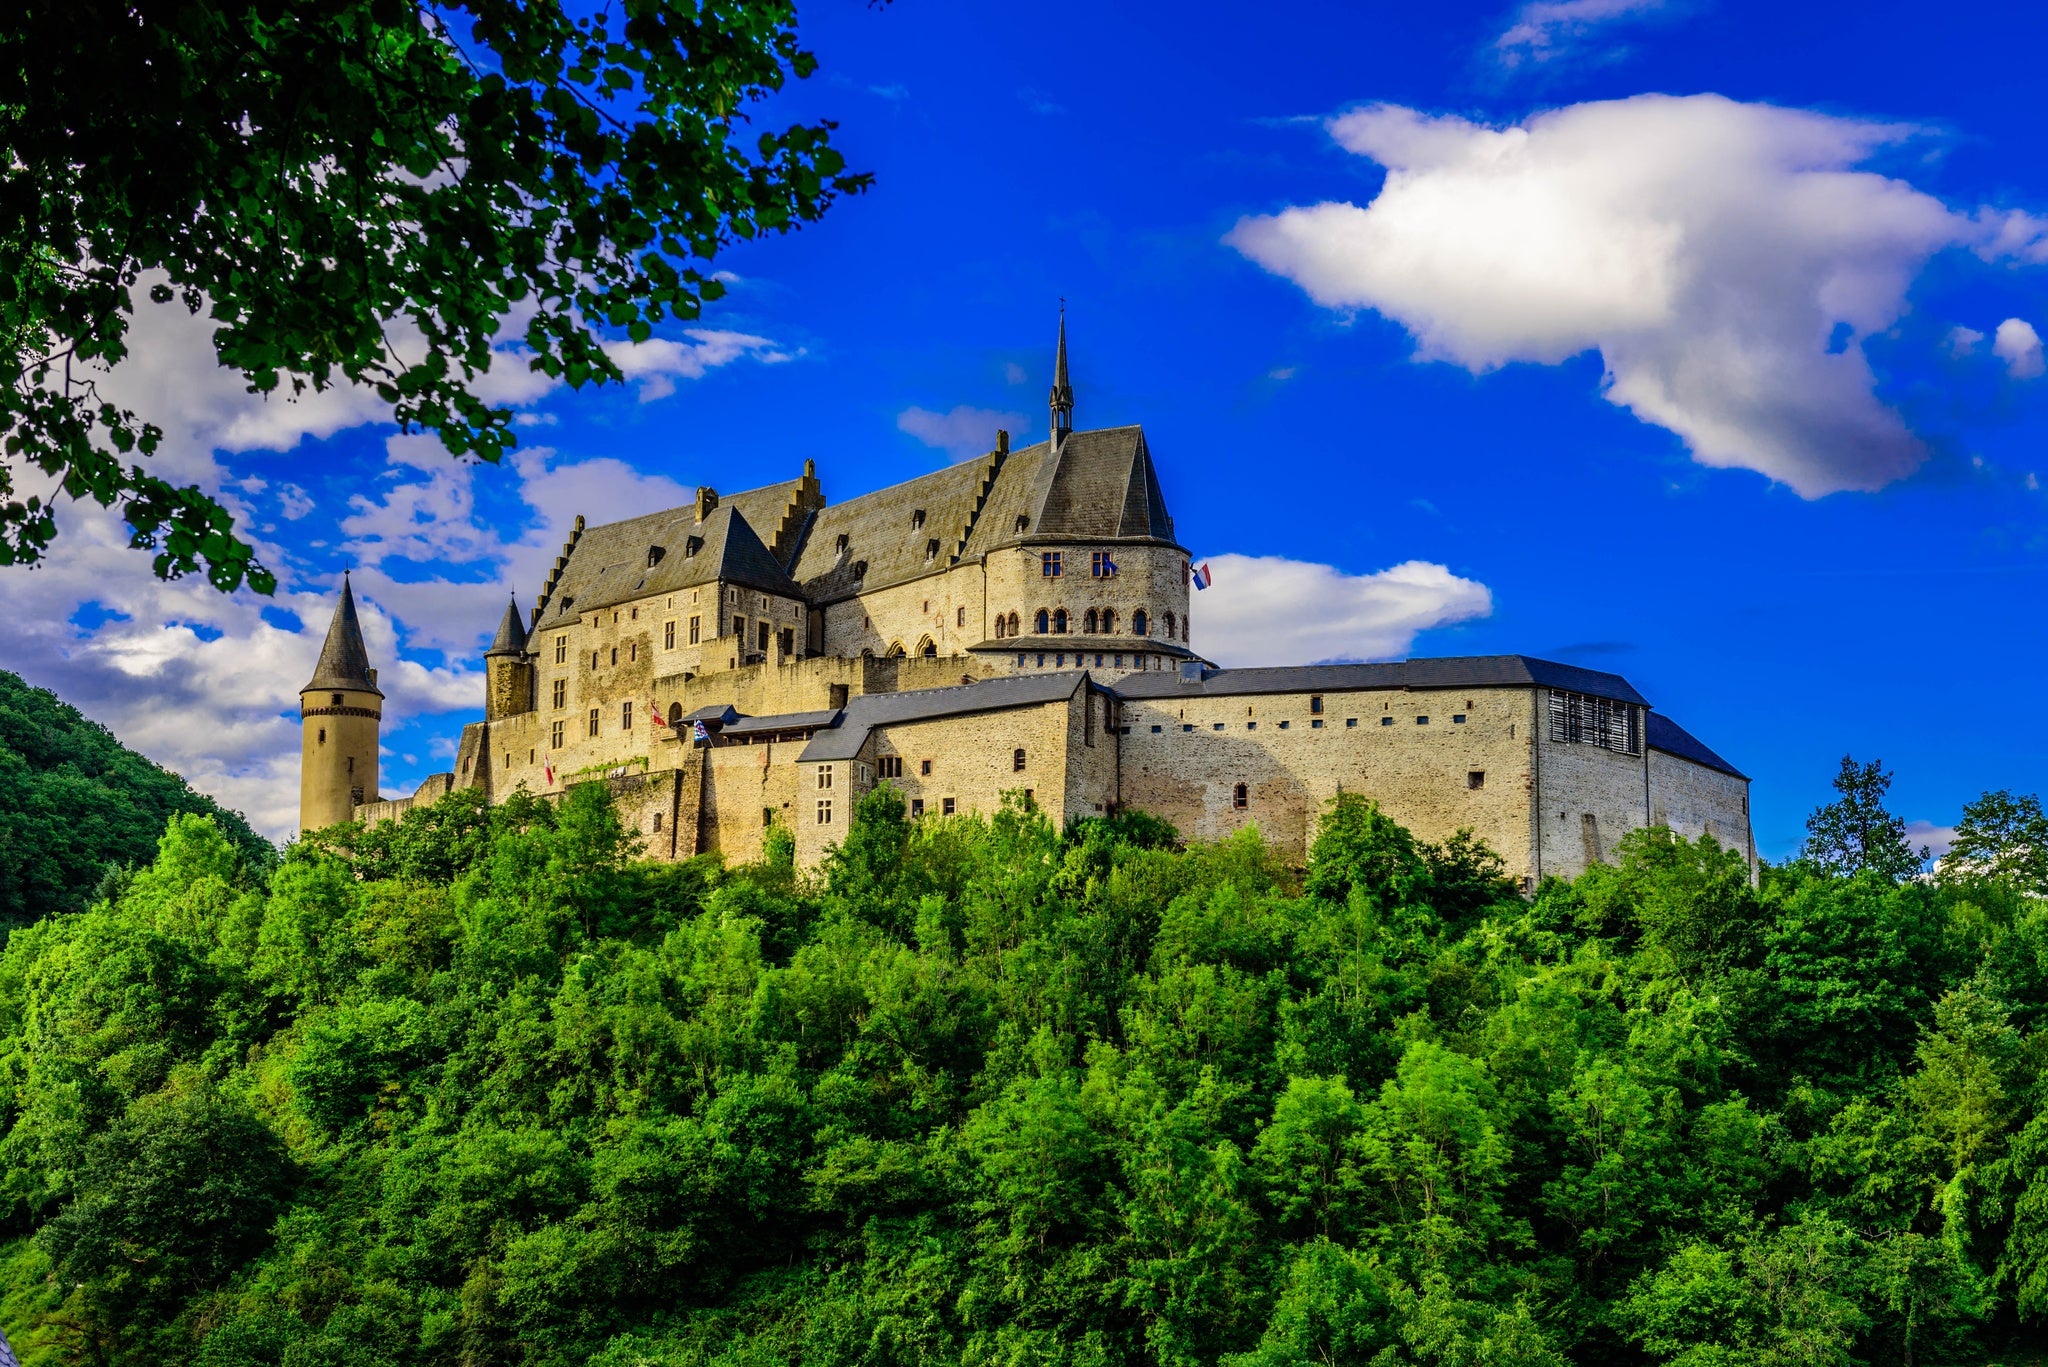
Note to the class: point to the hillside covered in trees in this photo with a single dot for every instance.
(476, 1088)
(74, 802)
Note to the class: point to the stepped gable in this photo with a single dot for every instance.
(344, 659)
(869, 710)
(666, 551)
(511, 637)
(878, 530)
(1468, 671)
(1667, 735)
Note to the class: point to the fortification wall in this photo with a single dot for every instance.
(1694, 800)
(431, 790)
(1587, 798)
(746, 789)
(1183, 758)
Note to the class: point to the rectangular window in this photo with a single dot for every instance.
(633, 650)
(555, 736)
(824, 811)
(1457, 718)
(916, 807)
(625, 716)
(924, 768)
(1351, 721)
(1187, 726)
(593, 721)
(1284, 725)
(1251, 726)
(824, 776)
(1386, 721)
(594, 657)
(668, 635)
(1316, 725)
(1017, 761)
(1155, 730)
(945, 806)
(561, 650)
(1580, 719)
(695, 626)
(1422, 721)
(1049, 564)
(1315, 705)
(765, 629)
(739, 629)
(561, 693)
(1476, 779)
(1101, 565)
(890, 766)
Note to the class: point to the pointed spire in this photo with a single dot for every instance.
(344, 659)
(1062, 398)
(511, 637)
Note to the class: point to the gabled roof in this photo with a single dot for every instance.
(344, 659)
(879, 532)
(869, 710)
(1471, 671)
(511, 637)
(1667, 735)
(610, 564)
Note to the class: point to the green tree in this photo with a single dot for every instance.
(2002, 836)
(1855, 833)
(361, 192)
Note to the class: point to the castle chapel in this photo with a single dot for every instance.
(1019, 623)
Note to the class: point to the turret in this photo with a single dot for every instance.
(340, 709)
(508, 671)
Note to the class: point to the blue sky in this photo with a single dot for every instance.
(1735, 391)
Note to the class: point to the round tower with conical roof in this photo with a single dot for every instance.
(340, 710)
(508, 671)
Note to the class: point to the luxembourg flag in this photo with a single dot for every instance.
(1202, 576)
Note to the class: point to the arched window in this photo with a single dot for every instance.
(1040, 622)
(1000, 625)
(1013, 624)
(1240, 797)
(675, 714)
(1088, 621)
(927, 649)
(1059, 622)
(896, 650)
(1139, 623)
(1170, 633)
(1017, 761)
(1108, 620)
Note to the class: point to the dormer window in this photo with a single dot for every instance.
(917, 520)
(931, 549)
(1023, 522)
(840, 545)
(654, 555)
(691, 545)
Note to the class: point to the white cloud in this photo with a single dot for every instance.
(657, 364)
(2019, 346)
(1728, 261)
(1551, 30)
(1963, 341)
(1268, 610)
(1013, 373)
(961, 432)
(1936, 839)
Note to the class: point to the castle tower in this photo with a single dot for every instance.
(339, 711)
(508, 673)
(1062, 398)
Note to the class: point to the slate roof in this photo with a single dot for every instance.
(609, 564)
(869, 710)
(1098, 486)
(511, 637)
(1667, 735)
(1469, 671)
(344, 659)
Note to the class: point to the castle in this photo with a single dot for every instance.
(1016, 623)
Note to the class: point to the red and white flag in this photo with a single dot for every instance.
(550, 767)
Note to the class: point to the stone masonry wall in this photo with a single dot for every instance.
(1188, 769)
(1586, 799)
(1694, 800)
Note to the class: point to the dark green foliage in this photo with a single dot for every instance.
(76, 805)
(1855, 833)
(476, 1088)
(323, 179)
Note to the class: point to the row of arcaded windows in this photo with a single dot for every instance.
(1093, 622)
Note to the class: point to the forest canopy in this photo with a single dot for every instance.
(76, 803)
(477, 1087)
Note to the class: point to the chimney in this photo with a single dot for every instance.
(1002, 442)
(707, 500)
